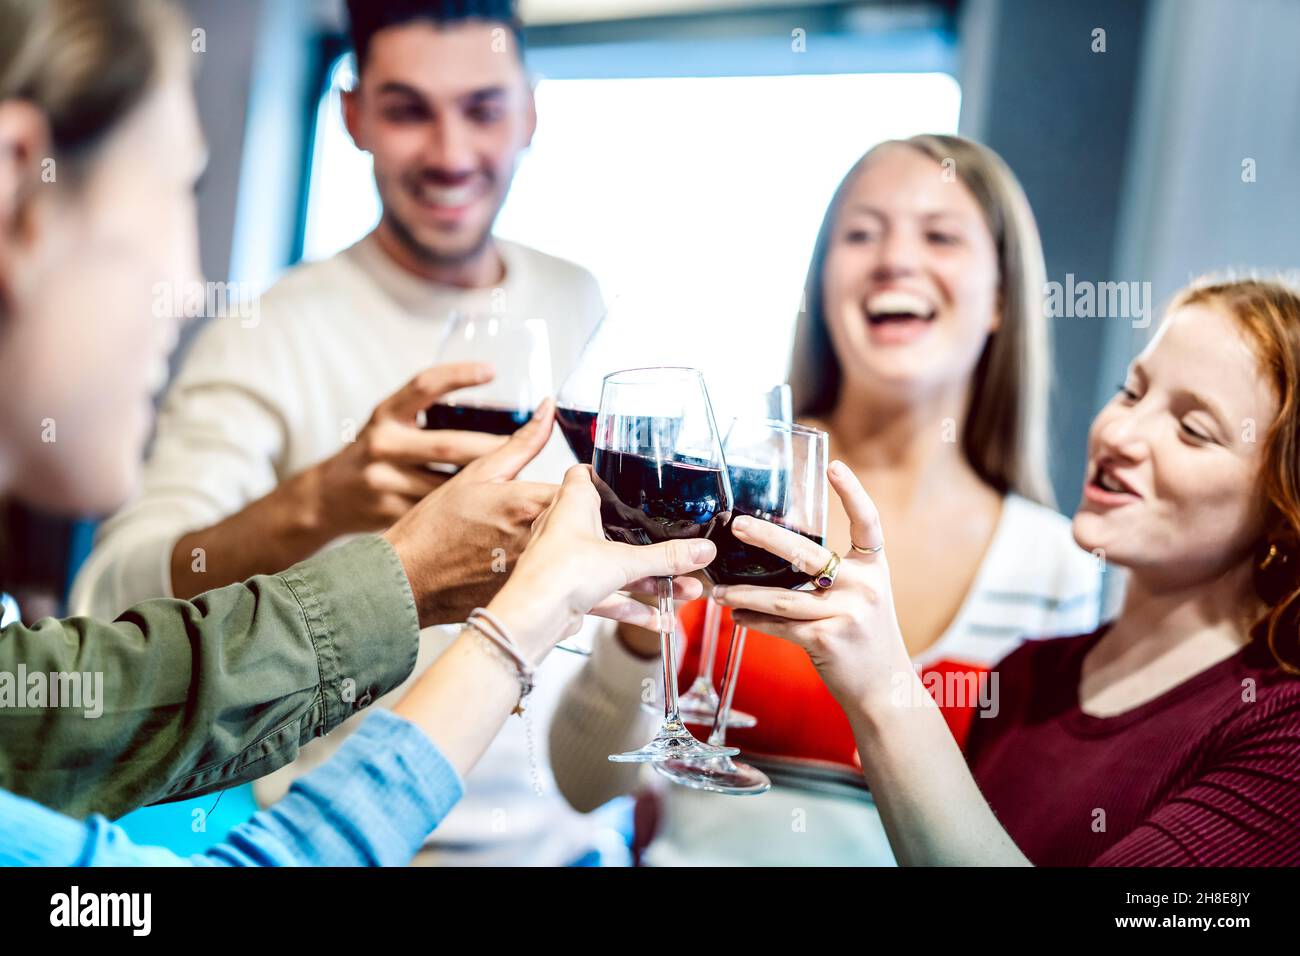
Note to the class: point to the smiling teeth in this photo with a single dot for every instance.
(441, 196)
(1109, 483)
(898, 303)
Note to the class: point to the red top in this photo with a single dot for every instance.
(799, 722)
(1208, 773)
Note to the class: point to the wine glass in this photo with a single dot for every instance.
(578, 400)
(778, 473)
(519, 349)
(576, 406)
(659, 470)
(699, 705)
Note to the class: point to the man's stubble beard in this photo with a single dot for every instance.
(430, 256)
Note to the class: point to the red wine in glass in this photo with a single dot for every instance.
(739, 563)
(778, 474)
(760, 493)
(643, 501)
(699, 705)
(579, 430)
(518, 349)
(660, 474)
(476, 418)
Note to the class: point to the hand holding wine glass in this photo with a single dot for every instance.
(453, 542)
(376, 478)
(519, 350)
(570, 568)
(778, 474)
(849, 629)
(661, 476)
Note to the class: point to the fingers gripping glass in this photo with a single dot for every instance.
(778, 473)
(518, 349)
(660, 474)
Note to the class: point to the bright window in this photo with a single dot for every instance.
(695, 201)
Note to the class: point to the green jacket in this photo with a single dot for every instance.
(196, 696)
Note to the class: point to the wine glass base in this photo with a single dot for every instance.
(721, 775)
(701, 698)
(673, 742)
(736, 720)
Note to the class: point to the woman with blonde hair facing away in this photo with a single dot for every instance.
(177, 698)
(1169, 737)
(923, 351)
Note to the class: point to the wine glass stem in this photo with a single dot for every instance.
(669, 656)
(718, 736)
(712, 625)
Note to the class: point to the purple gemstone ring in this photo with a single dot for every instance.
(826, 576)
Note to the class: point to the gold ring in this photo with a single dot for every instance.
(876, 550)
(826, 576)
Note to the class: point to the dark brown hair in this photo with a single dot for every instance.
(368, 17)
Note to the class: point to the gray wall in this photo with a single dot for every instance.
(1059, 114)
(1220, 85)
(1133, 158)
(222, 86)
(254, 88)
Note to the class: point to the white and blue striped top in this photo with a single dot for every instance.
(1034, 582)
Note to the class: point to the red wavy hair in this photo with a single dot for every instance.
(1268, 311)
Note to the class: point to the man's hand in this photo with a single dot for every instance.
(378, 478)
(459, 544)
(367, 486)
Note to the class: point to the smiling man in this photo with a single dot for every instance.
(445, 108)
(278, 439)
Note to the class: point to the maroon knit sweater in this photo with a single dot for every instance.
(1202, 775)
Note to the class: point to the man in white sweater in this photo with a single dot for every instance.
(282, 436)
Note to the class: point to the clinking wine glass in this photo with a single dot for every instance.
(576, 406)
(578, 400)
(659, 470)
(699, 705)
(778, 473)
(519, 349)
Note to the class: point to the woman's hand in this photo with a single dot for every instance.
(569, 569)
(849, 630)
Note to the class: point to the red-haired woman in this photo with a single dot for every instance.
(1170, 736)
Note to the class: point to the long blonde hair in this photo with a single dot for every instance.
(85, 64)
(1005, 435)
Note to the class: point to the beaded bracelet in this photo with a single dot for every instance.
(499, 643)
(490, 628)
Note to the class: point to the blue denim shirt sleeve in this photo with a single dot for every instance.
(372, 804)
